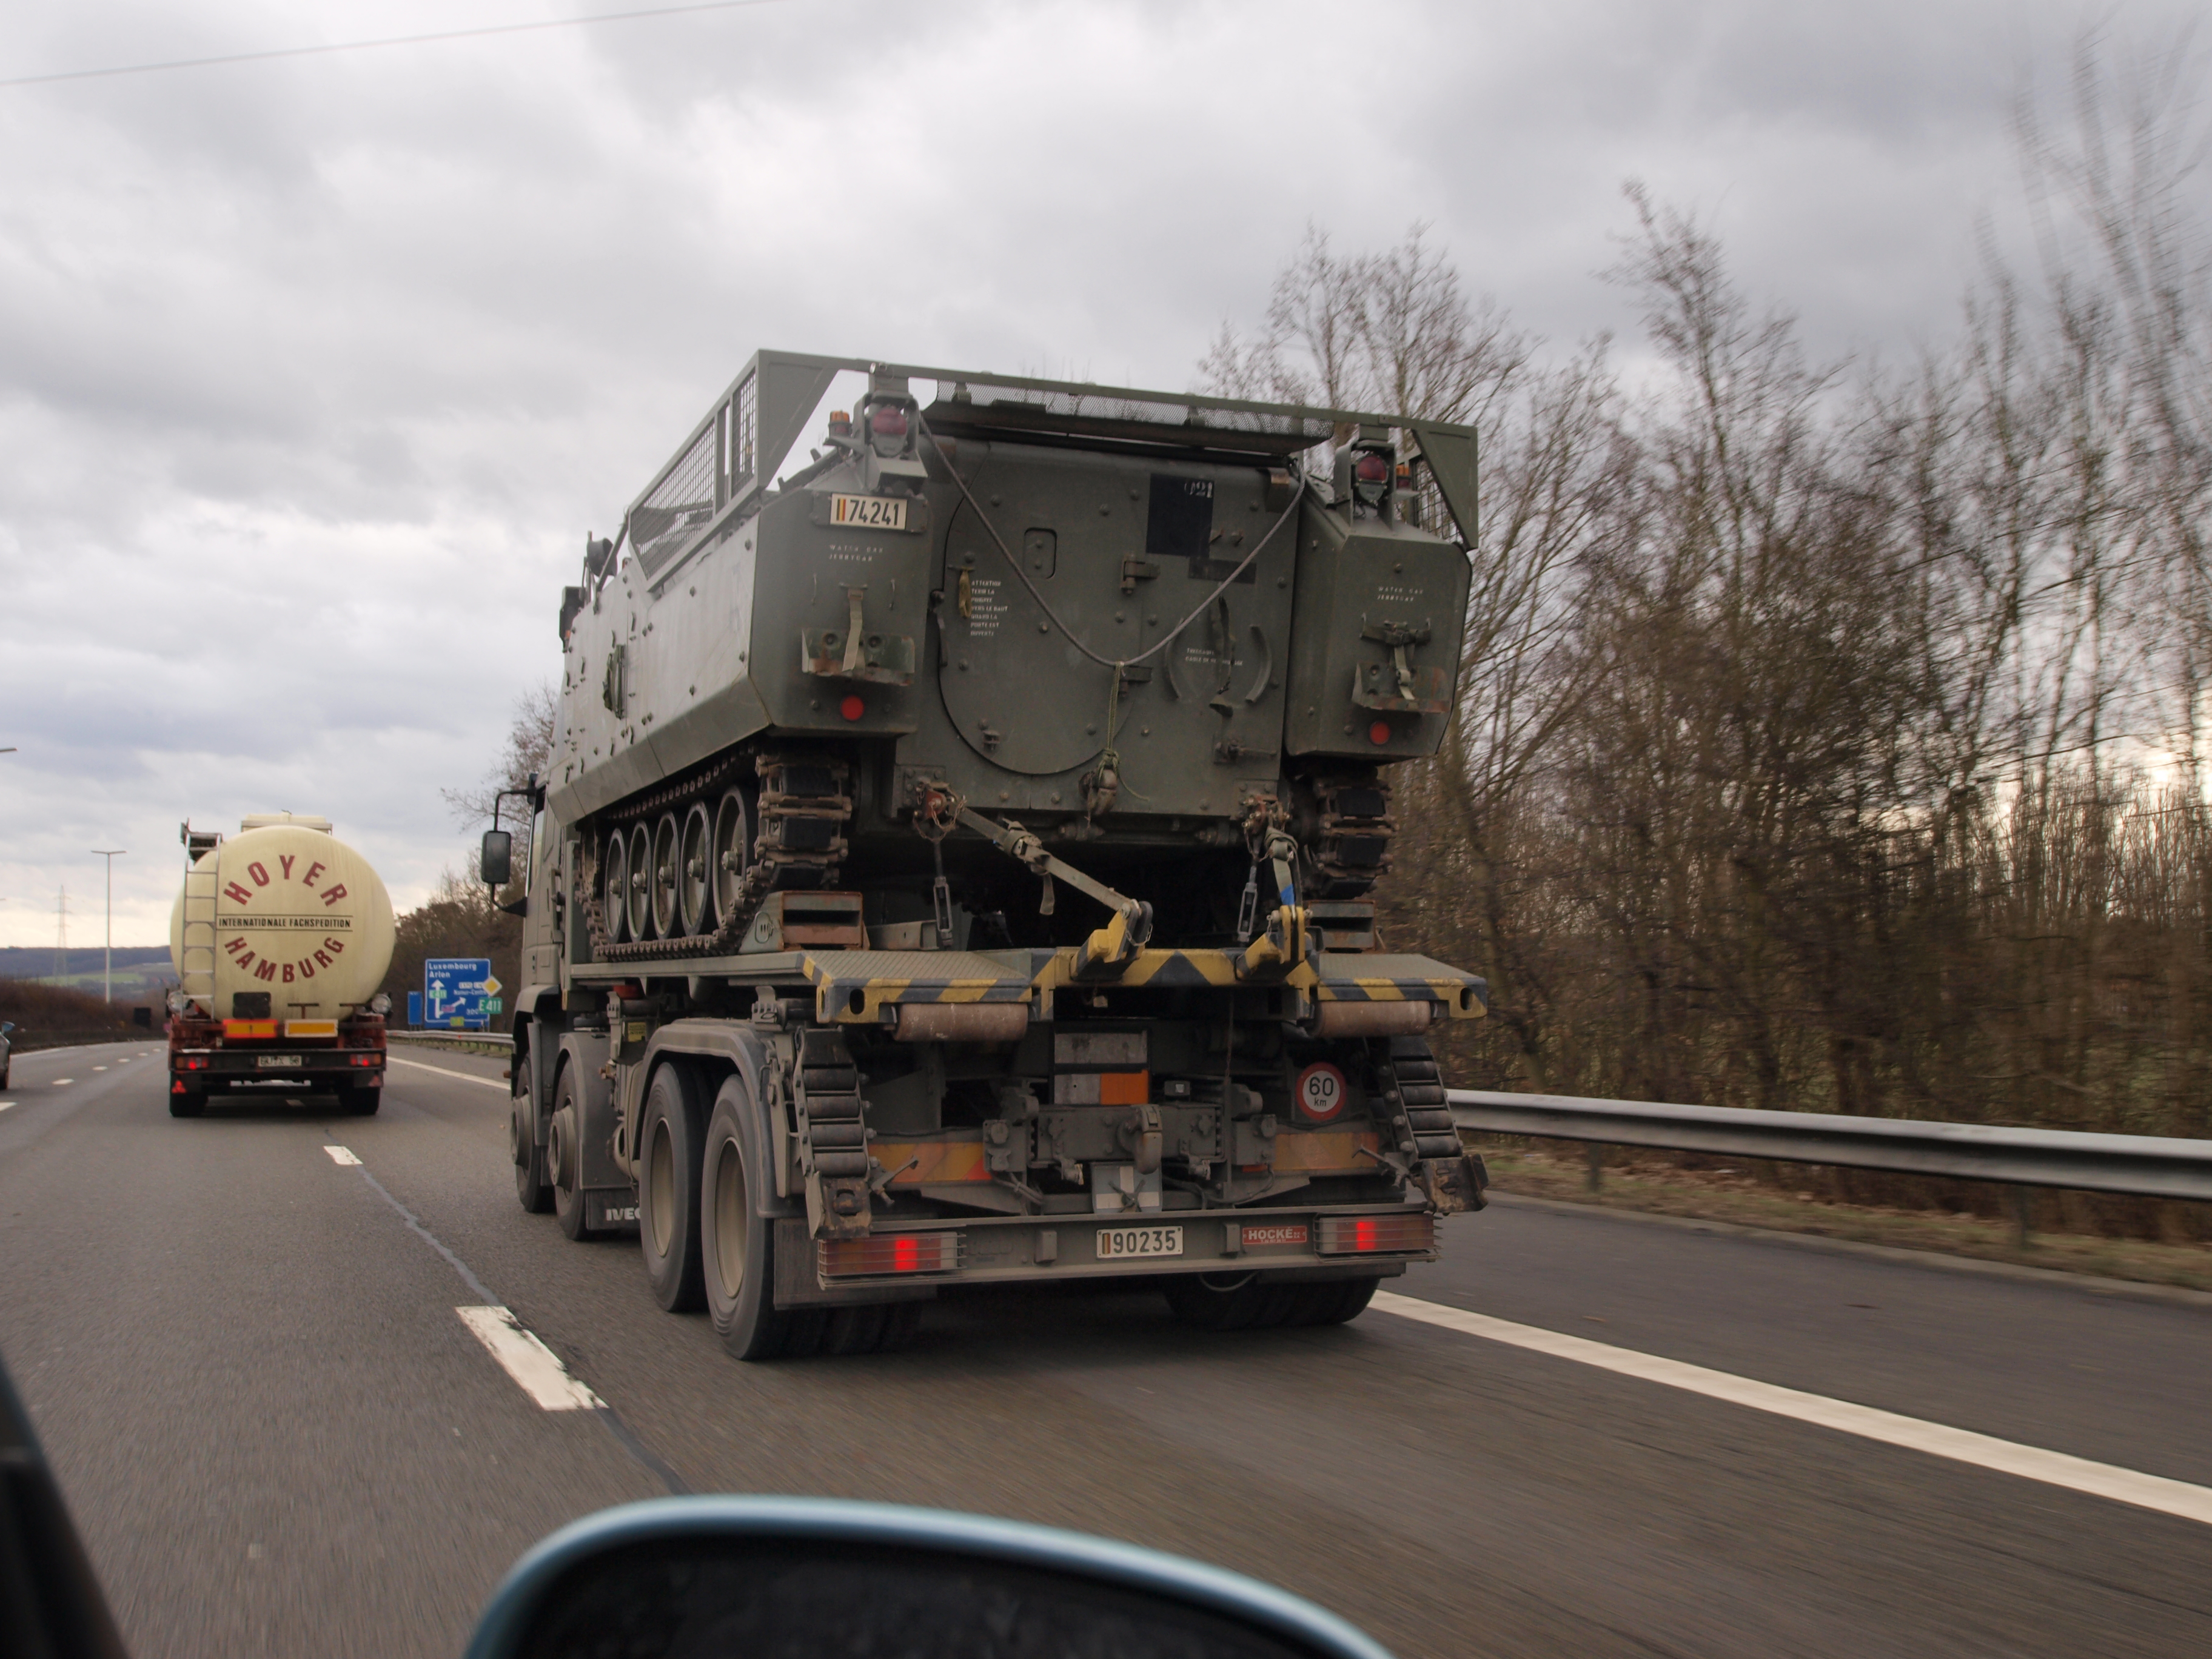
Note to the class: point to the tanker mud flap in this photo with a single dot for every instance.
(609, 1197)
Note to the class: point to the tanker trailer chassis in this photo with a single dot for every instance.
(870, 949)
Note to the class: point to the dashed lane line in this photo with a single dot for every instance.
(63, 1082)
(534, 1366)
(2149, 1491)
(520, 1353)
(499, 1083)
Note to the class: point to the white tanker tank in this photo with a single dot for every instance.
(280, 937)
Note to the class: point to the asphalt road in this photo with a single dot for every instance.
(279, 1438)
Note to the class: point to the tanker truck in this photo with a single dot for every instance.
(280, 938)
(954, 862)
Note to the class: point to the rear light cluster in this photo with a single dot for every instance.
(192, 1062)
(371, 1060)
(890, 1253)
(1360, 1235)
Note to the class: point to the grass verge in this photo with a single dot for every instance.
(1743, 1199)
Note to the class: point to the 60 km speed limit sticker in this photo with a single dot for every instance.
(1321, 1091)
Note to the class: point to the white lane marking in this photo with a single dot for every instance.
(2149, 1492)
(100, 1069)
(499, 1083)
(528, 1360)
(64, 1082)
(5, 1104)
(341, 1156)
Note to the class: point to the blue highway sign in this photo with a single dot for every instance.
(455, 990)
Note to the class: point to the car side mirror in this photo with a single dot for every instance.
(6, 1026)
(497, 860)
(737, 1576)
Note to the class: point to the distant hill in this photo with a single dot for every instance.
(141, 972)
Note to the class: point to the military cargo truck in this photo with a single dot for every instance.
(954, 862)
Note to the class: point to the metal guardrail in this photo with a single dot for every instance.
(2148, 1166)
(454, 1039)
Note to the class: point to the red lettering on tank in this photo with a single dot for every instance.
(337, 946)
(237, 894)
(314, 870)
(259, 873)
(306, 969)
(334, 894)
(288, 973)
(285, 859)
(323, 957)
(266, 970)
(234, 946)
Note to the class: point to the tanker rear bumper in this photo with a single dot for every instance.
(212, 1070)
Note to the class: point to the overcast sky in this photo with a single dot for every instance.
(314, 373)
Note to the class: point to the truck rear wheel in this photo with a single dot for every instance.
(738, 1247)
(190, 1105)
(358, 1101)
(668, 1188)
(532, 1189)
(1248, 1302)
(564, 1159)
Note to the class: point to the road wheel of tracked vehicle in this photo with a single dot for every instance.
(637, 896)
(733, 848)
(667, 876)
(614, 901)
(668, 1187)
(564, 1157)
(187, 1105)
(695, 876)
(1231, 1302)
(739, 1249)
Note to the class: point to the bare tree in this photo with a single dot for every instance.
(529, 748)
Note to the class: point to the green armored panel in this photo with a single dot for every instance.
(1122, 551)
(1375, 651)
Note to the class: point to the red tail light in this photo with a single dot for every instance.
(888, 421)
(1372, 467)
(892, 1252)
(1360, 1235)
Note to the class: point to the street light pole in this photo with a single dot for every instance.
(108, 951)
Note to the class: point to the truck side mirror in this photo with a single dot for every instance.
(497, 860)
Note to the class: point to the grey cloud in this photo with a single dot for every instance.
(354, 350)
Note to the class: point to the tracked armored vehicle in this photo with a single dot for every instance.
(953, 863)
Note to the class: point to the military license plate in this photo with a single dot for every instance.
(278, 1062)
(869, 512)
(1119, 1243)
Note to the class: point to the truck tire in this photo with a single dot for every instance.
(187, 1105)
(668, 1188)
(735, 1244)
(1248, 1302)
(531, 1190)
(564, 1159)
(738, 1248)
(360, 1102)
(1336, 1301)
